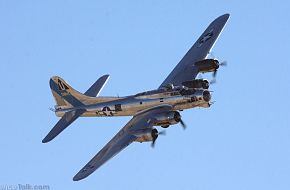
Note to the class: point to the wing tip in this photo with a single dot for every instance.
(79, 176)
(224, 17)
(46, 139)
(227, 15)
(105, 76)
(76, 178)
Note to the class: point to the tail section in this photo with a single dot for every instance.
(66, 97)
(64, 94)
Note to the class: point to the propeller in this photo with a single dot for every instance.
(211, 55)
(222, 64)
(177, 118)
(183, 125)
(155, 135)
(52, 109)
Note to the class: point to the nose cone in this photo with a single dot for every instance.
(206, 96)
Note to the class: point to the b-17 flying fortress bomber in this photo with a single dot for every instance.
(160, 107)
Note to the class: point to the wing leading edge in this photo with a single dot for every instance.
(185, 70)
(121, 140)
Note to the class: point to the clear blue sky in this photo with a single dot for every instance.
(241, 142)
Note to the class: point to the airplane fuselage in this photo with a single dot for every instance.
(178, 98)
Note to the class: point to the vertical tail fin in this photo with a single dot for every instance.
(64, 94)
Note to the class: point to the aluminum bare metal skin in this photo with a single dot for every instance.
(161, 107)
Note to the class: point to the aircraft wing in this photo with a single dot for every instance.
(185, 69)
(69, 117)
(121, 140)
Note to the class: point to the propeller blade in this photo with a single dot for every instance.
(183, 125)
(153, 143)
(213, 81)
(223, 63)
(214, 74)
(213, 77)
(155, 135)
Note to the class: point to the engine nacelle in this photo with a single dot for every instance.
(146, 135)
(198, 83)
(207, 65)
(169, 118)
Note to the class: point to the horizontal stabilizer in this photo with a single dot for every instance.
(69, 117)
(63, 123)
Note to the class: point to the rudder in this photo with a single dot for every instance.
(64, 94)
